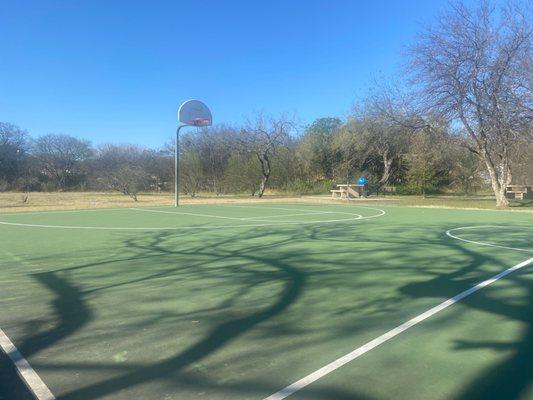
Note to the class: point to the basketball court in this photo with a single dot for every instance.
(269, 301)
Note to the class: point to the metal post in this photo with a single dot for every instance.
(177, 167)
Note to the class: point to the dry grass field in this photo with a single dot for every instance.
(44, 201)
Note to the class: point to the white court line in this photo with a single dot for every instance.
(280, 208)
(296, 215)
(103, 228)
(237, 218)
(190, 227)
(24, 369)
(357, 217)
(63, 211)
(449, 233)
(296, 386)
(310, 209)
(353, 217)
(183, 213)
(81, 210)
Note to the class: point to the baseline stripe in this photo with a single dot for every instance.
(302, 383)
(24, 369)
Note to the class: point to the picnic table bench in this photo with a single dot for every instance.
(348, 191)
(337, 194)
(519, 192)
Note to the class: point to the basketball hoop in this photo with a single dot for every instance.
(190, 113)
(195, 113)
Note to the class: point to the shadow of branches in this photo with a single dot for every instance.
(288, 262)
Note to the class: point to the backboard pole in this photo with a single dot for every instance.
(177, 167)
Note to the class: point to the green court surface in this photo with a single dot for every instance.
(240, 301)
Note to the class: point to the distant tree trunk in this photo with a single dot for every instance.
(262, 138)
(265, 172)
(498, 183)
(387, 169)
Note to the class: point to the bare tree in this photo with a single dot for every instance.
(123, 168)
(13, 149)
(390, 117)
(60, 158)
(262, 137)
(128, 180)
(385, 138)
(475, 69)
(372, 143)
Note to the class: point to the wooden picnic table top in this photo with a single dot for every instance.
(349, 185)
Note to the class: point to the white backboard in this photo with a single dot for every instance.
(194, 112)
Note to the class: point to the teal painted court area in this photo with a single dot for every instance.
(241, 301)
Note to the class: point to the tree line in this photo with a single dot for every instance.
(460, 120)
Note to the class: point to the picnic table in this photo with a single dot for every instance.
(348, 191)
(520, 192)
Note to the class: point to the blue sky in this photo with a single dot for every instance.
(116, 71)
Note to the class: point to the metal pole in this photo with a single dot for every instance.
(177, 167)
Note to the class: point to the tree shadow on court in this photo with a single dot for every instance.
(507, 379)
(11, 386)
(268, 257)
(280, 270)
(70, 315)
(72, 312)
(513, 376)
